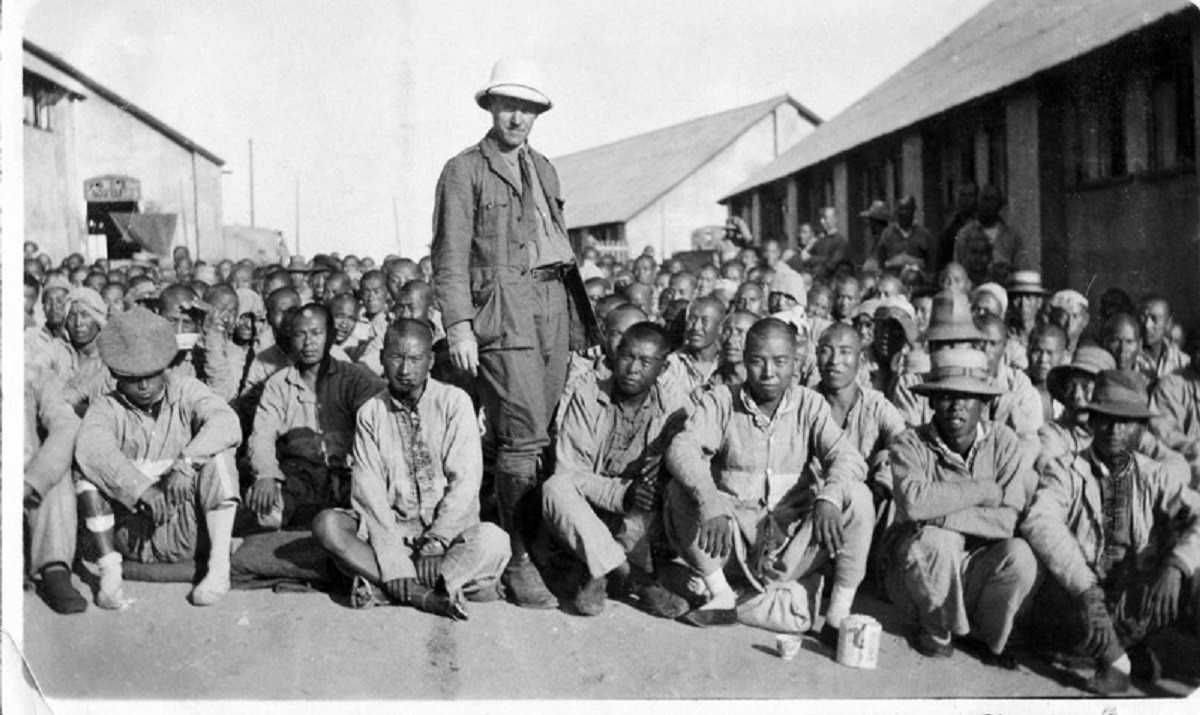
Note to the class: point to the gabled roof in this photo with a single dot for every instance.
(126, 106)
(1004, 43)
(614, 182)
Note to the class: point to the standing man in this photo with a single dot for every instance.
(513, 302)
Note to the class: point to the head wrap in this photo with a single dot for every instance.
(90, 302)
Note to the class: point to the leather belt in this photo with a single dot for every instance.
(546, 274)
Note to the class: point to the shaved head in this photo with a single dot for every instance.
(838, 331)
(409, 328)
(771, 328)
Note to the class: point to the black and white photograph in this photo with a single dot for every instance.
(519, 355)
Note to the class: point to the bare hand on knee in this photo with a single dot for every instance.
(716, 536)
(827, 526)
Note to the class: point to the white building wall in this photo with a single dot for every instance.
(109, 141)
(667, 224)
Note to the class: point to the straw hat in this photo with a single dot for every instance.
(950, 319)
(962, 370)
(1089, 359)
(1025, 283)
(515, 78)
(136, 343)
(1121, 393)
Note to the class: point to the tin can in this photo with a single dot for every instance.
(858, 642)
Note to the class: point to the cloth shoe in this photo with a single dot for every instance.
(364, 594)
(923, 642)
(433, 602)
(60, 595)
(590, 599)
(1146, 666)
(525, 587)
(710, 617)
(1108, 681)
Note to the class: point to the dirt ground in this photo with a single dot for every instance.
(263, 645)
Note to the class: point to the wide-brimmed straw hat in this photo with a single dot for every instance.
(1122, 393)
(517, 78)
(962, 370)
(877, 211)
(1089, 359)
(136, 343)
(950, 319)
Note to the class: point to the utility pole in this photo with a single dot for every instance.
(297, 215)
(251, 182)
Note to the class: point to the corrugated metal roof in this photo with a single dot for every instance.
(132, 109)
(1005, 42)
(614, 182)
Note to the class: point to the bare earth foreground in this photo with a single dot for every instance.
(262, 645)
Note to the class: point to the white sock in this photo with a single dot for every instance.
(1122, 664)
(722, 593)
(840, 602)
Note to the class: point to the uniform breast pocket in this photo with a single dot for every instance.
(493, 215)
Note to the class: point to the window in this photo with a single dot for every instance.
(40, 97)
(997, 148)
(1172, 138)
(1095, 125)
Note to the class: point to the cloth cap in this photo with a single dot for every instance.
(517, 78)
(57, 281)
(959, 370)
(797, 317)
(1121, 393)
(91, 302)
(1025, 283)
(250, 302)
(136, 343)
(877, 211)
(790, 282)
(950, 319)
(1069, 300)
(890, 311)
(998, 292)
(1089, 359)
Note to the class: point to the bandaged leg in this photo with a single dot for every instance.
(216, 492)
(99, 523)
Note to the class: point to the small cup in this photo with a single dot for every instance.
(787, 645)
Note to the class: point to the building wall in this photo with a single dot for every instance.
(51, 218)
(109, 141)
(667, 224)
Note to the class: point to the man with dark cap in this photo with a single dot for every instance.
(741, 493)
(159, 452)
(513, 303)
(1120, 536)
(304, 427)
(412, 535)
(955, 564)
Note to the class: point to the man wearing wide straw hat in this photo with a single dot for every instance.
(157, 451)
(513, 304)
(955, 567)
(1101, 522)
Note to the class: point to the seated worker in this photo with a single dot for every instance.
(271, 360)
(732, 368)
(1046, 349)
(413, 535)
(870, 422)
(739, 490)
(366, 341)
(1120, 536)
(156, 457)
(1176, 402)
(344, 308)
(1018, 406)
(304, 427)
(692, 365)
(1071, 434)
(955, 567)
(415, 301)
(749, 299)
(89, 378)
(224, 359)
(50, 520)
(1158, 357)
(605, 499)
(586, 368)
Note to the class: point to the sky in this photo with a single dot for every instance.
(361, 102)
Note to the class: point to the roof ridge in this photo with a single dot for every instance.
(772, 102)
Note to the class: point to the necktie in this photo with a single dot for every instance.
(420, 461)
(528, 201)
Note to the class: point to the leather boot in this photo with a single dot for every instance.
(522, 582)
